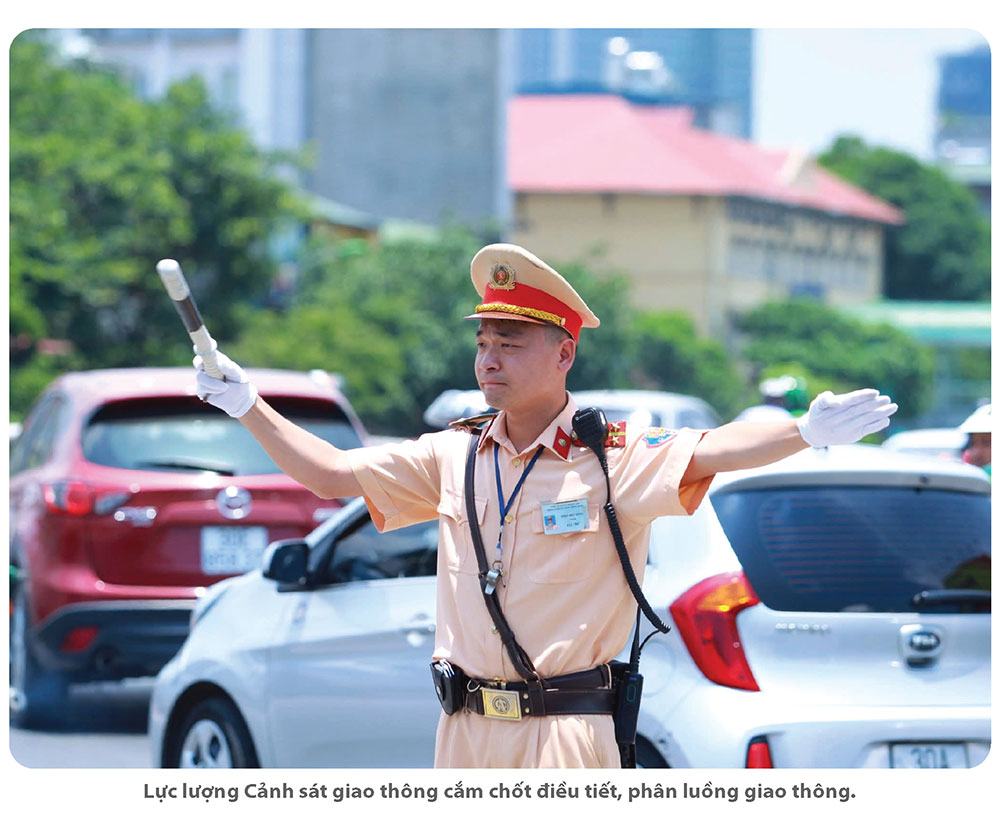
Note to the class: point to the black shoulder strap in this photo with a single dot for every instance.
(522, 663)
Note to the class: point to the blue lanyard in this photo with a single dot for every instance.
(497, 572)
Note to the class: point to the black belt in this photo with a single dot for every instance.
(586, 692)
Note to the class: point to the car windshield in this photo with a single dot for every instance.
(861, 548)
(183, 434)
(365, 553)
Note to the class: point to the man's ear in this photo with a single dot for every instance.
(567, 354)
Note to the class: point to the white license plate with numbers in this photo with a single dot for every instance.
(232, 549)
(929, 756)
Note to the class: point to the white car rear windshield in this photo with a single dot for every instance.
(862, 548)
(185, 435)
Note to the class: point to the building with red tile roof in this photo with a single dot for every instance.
(701, 221)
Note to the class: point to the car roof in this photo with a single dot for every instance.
(638, 397)
(926, 438)
(454, 404)
(100, 385)
(857, 465)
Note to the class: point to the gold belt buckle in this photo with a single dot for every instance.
(502, 704)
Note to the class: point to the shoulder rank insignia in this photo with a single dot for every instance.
(471, 424)
(614, 440)
(616, 435)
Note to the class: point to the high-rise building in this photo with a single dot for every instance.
(707, 70)
(962, 132)
(410, 123)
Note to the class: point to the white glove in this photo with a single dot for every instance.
(838, 419)
(235, 395)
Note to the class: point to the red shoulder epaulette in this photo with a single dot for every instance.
(615, 438)
(616, 435)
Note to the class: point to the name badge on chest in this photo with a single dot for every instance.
(565, 516)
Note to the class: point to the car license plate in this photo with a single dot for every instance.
(232, 549)
(928, 756)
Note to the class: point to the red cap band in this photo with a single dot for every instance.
(527, 301)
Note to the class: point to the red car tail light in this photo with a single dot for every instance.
(705, 615)
(759, 754)
(77, 498)
(68, 497)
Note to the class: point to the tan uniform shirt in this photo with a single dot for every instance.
(565, 597)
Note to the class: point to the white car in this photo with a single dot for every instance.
(830, 610)
(640, 408)
(943, 443)
(650, 408)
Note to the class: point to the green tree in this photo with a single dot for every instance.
(942, 252)
(102, 185)
(670, 356)
(840, 352)
(605, 354)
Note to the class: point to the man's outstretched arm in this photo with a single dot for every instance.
(832, 419)
(319, 466)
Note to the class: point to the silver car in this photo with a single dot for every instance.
(638, 407)
(829, 610)
(944, 443)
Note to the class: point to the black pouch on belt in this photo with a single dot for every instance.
(449, 685)
(627, 684)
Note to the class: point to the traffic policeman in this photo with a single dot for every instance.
(537, 501)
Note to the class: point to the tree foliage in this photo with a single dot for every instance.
(386, 318)
(102, 185)
(670, 356)
(942, 252)
(605, 354)
(842, 353)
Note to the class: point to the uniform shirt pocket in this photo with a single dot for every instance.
(563, 558)
(457, 543)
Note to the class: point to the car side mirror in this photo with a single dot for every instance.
(286, 561)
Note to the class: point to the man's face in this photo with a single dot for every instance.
(979, 450)
(519, 364)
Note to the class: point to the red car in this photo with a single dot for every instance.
(128, 495)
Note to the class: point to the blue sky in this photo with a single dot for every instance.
(811, 84)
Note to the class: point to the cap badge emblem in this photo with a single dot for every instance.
(502, 277)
